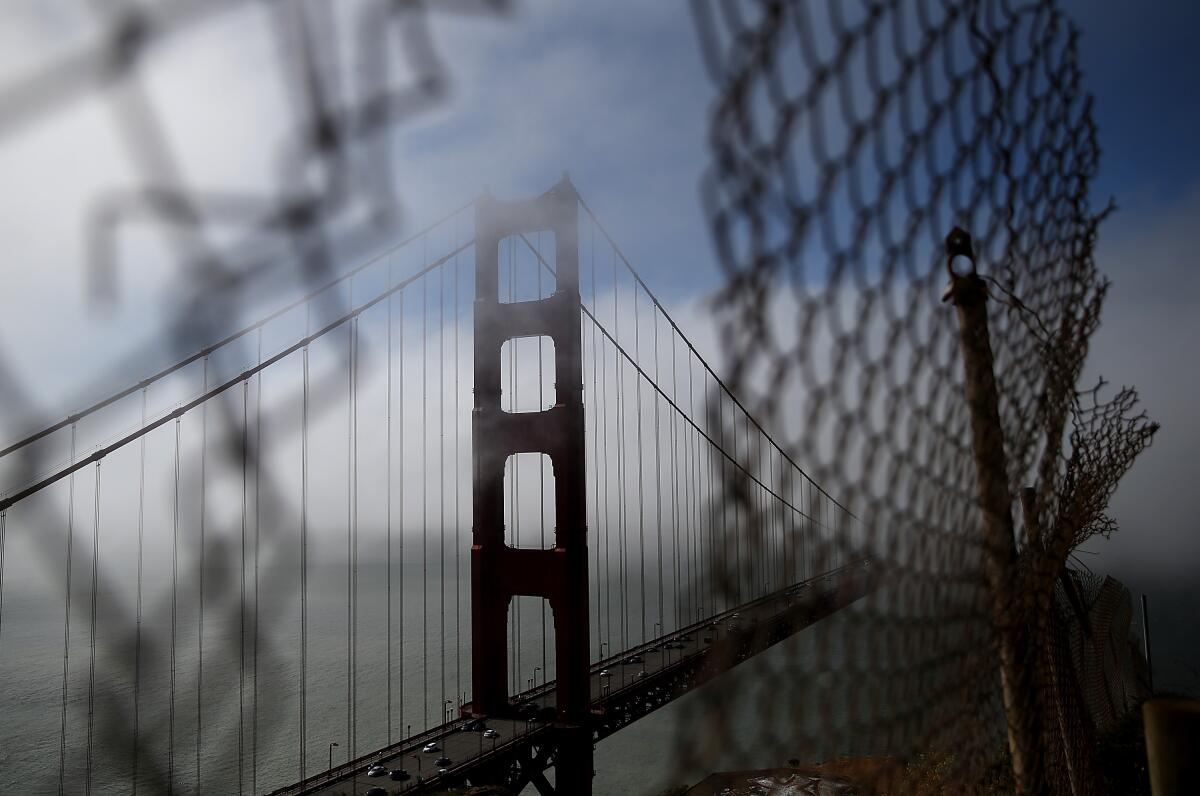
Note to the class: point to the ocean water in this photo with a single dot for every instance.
(220, 729)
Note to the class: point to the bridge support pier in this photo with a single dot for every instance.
(499, 572)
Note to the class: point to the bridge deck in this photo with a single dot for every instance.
(624, 687)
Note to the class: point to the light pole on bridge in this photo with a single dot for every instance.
(331, 745)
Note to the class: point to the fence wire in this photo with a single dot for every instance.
(849, 140)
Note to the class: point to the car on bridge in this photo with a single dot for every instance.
(432, 746)
(490, 733)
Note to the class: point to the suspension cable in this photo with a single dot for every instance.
(200, 400)
(207, 350)
(720, 382)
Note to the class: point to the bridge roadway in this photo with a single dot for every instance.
(625, 687)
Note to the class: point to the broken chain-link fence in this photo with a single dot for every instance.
(849, 140)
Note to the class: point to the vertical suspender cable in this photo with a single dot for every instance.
(62, 739)
(677, 561)
(712, 509)
(242, 593)
(304, 550)
(400, 503)
(442, 474)
(424, 492)
(200, 607)
(87, 785)
(3, 522)
(693, 504)
(388, 493)
(137, 637)
(603, 451)
(258, 454)
(174, 612)
(637, 350)
(593, 398)
(658, 478)
(351, 538)
(622, 546)
(458, 642)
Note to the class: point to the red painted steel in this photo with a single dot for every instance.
(499, 572)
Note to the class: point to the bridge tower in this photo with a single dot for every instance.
(499, 572)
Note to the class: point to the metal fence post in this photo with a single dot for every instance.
(968, 292)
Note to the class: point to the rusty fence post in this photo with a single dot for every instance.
(968, 292)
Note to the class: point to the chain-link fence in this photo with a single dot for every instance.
(864, 155)
(345, 76)
(848, 140)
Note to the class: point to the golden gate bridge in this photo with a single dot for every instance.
(576, 522)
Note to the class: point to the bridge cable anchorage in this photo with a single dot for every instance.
(223, 342)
